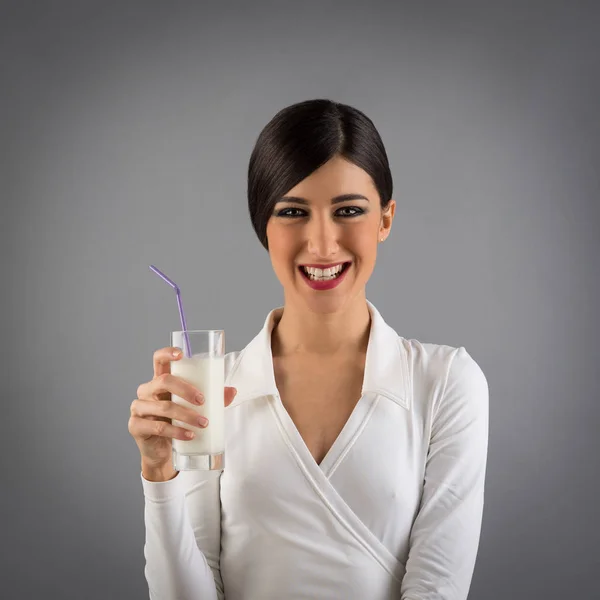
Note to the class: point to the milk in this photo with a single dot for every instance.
(207, 375)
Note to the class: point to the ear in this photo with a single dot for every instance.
(387, 216)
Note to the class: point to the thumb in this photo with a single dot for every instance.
(230, 393)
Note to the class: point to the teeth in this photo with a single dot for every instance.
(323, 274)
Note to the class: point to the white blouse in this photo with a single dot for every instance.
(392, 512)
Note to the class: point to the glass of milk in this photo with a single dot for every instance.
(205, 370)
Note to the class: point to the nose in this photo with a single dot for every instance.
(322, 238)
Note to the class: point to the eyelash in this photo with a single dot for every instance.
(357, 212)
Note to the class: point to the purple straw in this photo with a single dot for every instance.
(187, 350)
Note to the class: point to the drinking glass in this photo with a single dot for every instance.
(205, 370)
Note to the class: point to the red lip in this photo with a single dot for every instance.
(328, 266)
(325, 285)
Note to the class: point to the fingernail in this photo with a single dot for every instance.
(176, 353)
(189, 434)
(199, 398)
(203, 421)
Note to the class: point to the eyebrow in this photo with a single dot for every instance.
(335, 200)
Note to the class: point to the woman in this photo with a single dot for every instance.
(355, 458)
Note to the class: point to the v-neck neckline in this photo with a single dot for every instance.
(341, 445)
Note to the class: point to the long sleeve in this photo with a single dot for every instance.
(445, 534)
(183, 537)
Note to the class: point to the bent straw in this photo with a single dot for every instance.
(186, 340)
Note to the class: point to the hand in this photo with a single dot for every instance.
(152, 412)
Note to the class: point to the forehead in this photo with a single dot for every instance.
(336, 177)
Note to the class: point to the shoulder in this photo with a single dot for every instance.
(439, 360)
(443, 374)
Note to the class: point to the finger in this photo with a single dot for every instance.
(230, 393)
(161, 387)
(144, 428)
(167, 410)
(162, 359)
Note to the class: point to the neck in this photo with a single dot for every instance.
(301, 331)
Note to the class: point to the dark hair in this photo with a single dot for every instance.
(301, 138)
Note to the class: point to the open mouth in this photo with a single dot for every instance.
(315, 274)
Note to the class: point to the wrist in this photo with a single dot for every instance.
(158, 472)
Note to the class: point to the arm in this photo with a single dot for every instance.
(183, 531)
(445, 534)
(183, 537)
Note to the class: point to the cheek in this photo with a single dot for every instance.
(368, 254)
(363, 240)
(281, 247)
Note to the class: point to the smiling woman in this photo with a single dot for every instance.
(356, 457)
(323, 236)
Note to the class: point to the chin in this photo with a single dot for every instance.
(327, 303)
(325, 306)
(322, 302)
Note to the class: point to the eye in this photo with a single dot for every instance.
(349, 211)
(291, 212)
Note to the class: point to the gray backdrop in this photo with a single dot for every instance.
(126, 130)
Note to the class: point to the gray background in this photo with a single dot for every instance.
(126, 130)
